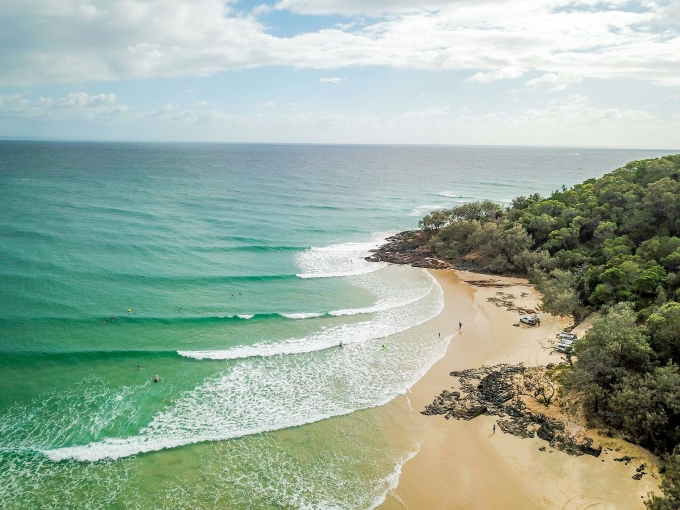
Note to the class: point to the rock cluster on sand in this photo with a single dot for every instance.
(493, 390)
(407, 248)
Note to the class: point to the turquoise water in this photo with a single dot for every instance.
(242, 267)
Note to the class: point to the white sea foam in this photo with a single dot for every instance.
(338, 260)
(393, 314)
(379, 307)
(268, 393)
(251, 398)
(303, 315)
(452, 194)
(392, 480)
(245, 316)
(426, 209)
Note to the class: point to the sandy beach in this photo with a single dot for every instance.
(463, 464)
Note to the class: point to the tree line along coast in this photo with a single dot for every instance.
(608, 248)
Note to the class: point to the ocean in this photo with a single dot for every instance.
(233, 272)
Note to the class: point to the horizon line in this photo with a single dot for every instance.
(338, 144)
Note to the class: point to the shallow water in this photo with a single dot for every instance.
(242, 267)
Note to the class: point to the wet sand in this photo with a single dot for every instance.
(463, 464)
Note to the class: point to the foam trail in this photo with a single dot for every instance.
(302, 315)
(392, 480)
(379, 307)
(217, 410)
(452, 194)
(426, 209)
(261, 394)
(338, 260)
(392, 316)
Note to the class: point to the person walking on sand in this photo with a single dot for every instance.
(460, 325)
(494, 428)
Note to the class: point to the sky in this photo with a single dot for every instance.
(526, 72)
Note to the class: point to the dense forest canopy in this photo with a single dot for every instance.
(610, 245)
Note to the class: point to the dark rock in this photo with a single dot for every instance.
(625, 459)
(545, 432)
(490, 390)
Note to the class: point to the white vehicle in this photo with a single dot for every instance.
(531, 320)
(565, 340)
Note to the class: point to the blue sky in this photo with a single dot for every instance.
(554, 72)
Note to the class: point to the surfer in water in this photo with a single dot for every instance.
(156, 379)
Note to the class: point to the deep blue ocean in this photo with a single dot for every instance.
(232, 272)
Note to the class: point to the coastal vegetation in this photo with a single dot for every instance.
(612, 246)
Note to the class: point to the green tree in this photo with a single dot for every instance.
(650, 407)
(664, 332)
(558, 292)
(670, 485)
(613, 348)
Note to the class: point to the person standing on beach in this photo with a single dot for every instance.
(460, 325)
(494, 428)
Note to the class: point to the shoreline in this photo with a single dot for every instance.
(463, 464)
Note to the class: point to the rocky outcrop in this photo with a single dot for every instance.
(408, 247)
(492, 390)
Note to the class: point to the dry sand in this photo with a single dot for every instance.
(463, 464)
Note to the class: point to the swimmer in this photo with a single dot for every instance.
(383, 346)
(106, 320)
(112, 318)
(232, 295)
(139, 367)
(129, 310)
(155, 379)
(340, 344)
(180, 309)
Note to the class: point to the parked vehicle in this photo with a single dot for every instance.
(565, 340)
(531, 320)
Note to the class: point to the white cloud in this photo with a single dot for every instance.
(673, 97)
(78, 41)
(81, 100)
(503, 73)
(359, 7)
(571, 121)
(294, 104)
(202, 103)
(575, 111)
(554, 82)
(334, 79)
(74, 105)
(428, 112)
(267, 104)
